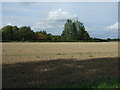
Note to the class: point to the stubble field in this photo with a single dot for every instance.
(54, 64)
(25, 52)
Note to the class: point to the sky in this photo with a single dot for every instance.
(99, 18)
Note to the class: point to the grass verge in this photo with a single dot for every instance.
(102, 83)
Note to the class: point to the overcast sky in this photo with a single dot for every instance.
(100, 18)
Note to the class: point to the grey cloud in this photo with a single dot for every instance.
(48, 24)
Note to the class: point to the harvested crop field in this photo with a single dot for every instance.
(25, 52)
(35, 65)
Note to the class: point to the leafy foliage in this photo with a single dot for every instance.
(7, 33)
(26, 33)
(74, 31)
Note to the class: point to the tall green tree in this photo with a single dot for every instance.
(80, 29)
(69, 32)
(7, 33)
(74, 31)
(16, 35)
(26, 33)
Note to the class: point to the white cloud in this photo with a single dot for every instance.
(60, 15)
(9, 23)
(112, 27)
(54, 20)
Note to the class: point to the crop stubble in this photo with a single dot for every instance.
(24, 52)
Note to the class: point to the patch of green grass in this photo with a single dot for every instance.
(102, 83)
(79, 53)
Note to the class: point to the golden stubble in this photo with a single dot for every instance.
(25, 52)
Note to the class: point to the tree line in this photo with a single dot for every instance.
(73, 31)
(24, 33)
